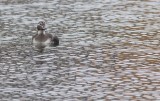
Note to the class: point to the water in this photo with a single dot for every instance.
(109, 50)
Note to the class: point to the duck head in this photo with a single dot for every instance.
(41, 28)
(41, 25)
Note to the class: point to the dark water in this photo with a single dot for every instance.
(109, 50)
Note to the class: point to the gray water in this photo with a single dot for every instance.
(109, 50)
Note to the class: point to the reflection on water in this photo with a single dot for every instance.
(109, 50)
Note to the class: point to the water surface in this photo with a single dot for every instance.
(109, 50)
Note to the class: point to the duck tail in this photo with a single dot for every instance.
(55, 41)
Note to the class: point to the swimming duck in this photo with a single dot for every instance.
(43, 39)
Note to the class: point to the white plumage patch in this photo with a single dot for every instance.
(45, 43)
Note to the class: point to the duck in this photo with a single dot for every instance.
(43, 39)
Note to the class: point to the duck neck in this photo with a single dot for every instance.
(41, 32)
